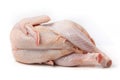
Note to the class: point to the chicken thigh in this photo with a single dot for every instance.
(63, 43)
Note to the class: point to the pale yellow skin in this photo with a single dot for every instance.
(34, 42)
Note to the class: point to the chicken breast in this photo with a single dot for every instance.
(63, 43)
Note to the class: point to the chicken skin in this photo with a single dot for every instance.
(63, 43)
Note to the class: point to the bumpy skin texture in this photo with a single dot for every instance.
(63, 43)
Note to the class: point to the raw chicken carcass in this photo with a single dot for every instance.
(63, 43)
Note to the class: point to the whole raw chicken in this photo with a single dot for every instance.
(63, 43)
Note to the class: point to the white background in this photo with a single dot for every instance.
(101, 18)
